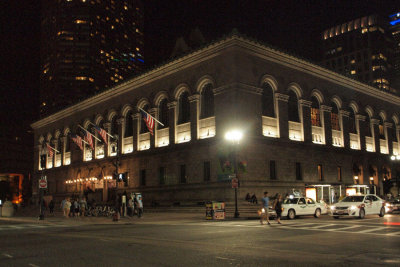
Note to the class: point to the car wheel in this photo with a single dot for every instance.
(317, 213)
(336, 217)
(382, 213)
(362, 214)
(291, 214)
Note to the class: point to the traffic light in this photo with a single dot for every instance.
(43, 161)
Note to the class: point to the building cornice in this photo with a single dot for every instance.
(209, 52)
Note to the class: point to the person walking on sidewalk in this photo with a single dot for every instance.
(67, 207)
(278, 207)
(264, 209)
(51, 206)
(140, 206)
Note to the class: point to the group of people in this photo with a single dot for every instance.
(74, 207)
(252, 198)
(277, 206)
(135, 205)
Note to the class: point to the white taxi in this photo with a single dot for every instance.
(358, 206)
(297, 206)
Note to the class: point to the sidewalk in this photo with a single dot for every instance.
(32, 216)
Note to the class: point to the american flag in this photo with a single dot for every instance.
(89, 139)
(149, 121)
(50, 150)
(78, 140)
(102, 133)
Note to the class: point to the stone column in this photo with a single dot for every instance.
(327, 124)
(282, 115)
(54, 145)
(305, 107)
(361, 131)
(107, 127)
(345, 119)
(172, 121)
(135, 135)
(194, 116)
(389, 138)
(120, 141)
(376, 135)
(153, 113)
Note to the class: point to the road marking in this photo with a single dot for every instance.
(344, 228)
(7, 255)
(222, 258)
(372, 230)
(322, 226)
(394, 233)
(33, 265)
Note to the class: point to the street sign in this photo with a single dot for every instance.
(43, 182)
(235, 183)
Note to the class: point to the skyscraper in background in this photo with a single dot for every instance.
(363, 49)
(395, 31)
(87, 46)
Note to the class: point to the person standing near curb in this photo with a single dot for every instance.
(264, 205)
(140, 206)
(278, 207)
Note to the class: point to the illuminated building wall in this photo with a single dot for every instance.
(395, 31)
(301, 123)
(87, 46)
(361, 49)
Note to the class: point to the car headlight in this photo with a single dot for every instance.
(333, 207)
(353, 207)
(263, 210)
(388, 205)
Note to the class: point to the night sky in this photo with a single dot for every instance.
(290, 25)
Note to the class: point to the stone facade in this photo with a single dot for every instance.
(253, 88)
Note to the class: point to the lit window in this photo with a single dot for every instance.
(91, 79)
(112, 27)
(78, 21)
(353, 72)
(364, 30)
(81, 78)
(125, 7)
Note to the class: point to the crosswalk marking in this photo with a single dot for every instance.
(345, 228)
(30, 226)
(372, 229)
(322, 226)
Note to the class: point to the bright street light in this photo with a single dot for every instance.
(234, 136)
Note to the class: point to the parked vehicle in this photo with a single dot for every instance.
(392, 205)
(298, 206)
(358, 206)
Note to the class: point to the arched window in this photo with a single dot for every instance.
(368, 126)
(143, 126)
(268, 101)
(315, 113)
(58, 145)
(293, 107)
(207, 102)
(128, 124)
(352, 122)
(335, 124)
(381, 129)
(393, 131)
(67, 143)
(163, 113)
(114, 126)
(184, 108)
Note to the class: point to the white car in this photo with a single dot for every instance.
(297, 206)
(358, 206)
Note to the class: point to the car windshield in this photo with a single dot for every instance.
(291, 201)
(353, 199)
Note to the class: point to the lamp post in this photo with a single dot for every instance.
(234, 136)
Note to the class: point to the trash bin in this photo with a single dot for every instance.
(215, 210)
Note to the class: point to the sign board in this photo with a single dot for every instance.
(235, 183)
(43, 182)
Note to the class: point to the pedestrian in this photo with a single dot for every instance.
(83, 206)
(51, 206)
(75, 208)
(278, 207)
(264, 209)
(62, 206)
(254, 199)
(248, 197)
(130, 206)
(140, 206)
(67, 207)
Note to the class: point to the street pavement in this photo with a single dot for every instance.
(188, 239)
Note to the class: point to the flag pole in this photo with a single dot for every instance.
(89, 133)
(53, 148)
(104, 130)
(151, 116)
(82, 140)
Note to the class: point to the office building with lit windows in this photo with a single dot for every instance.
(395, 31)
(361, 49)
(301, 124)
(86, 47)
